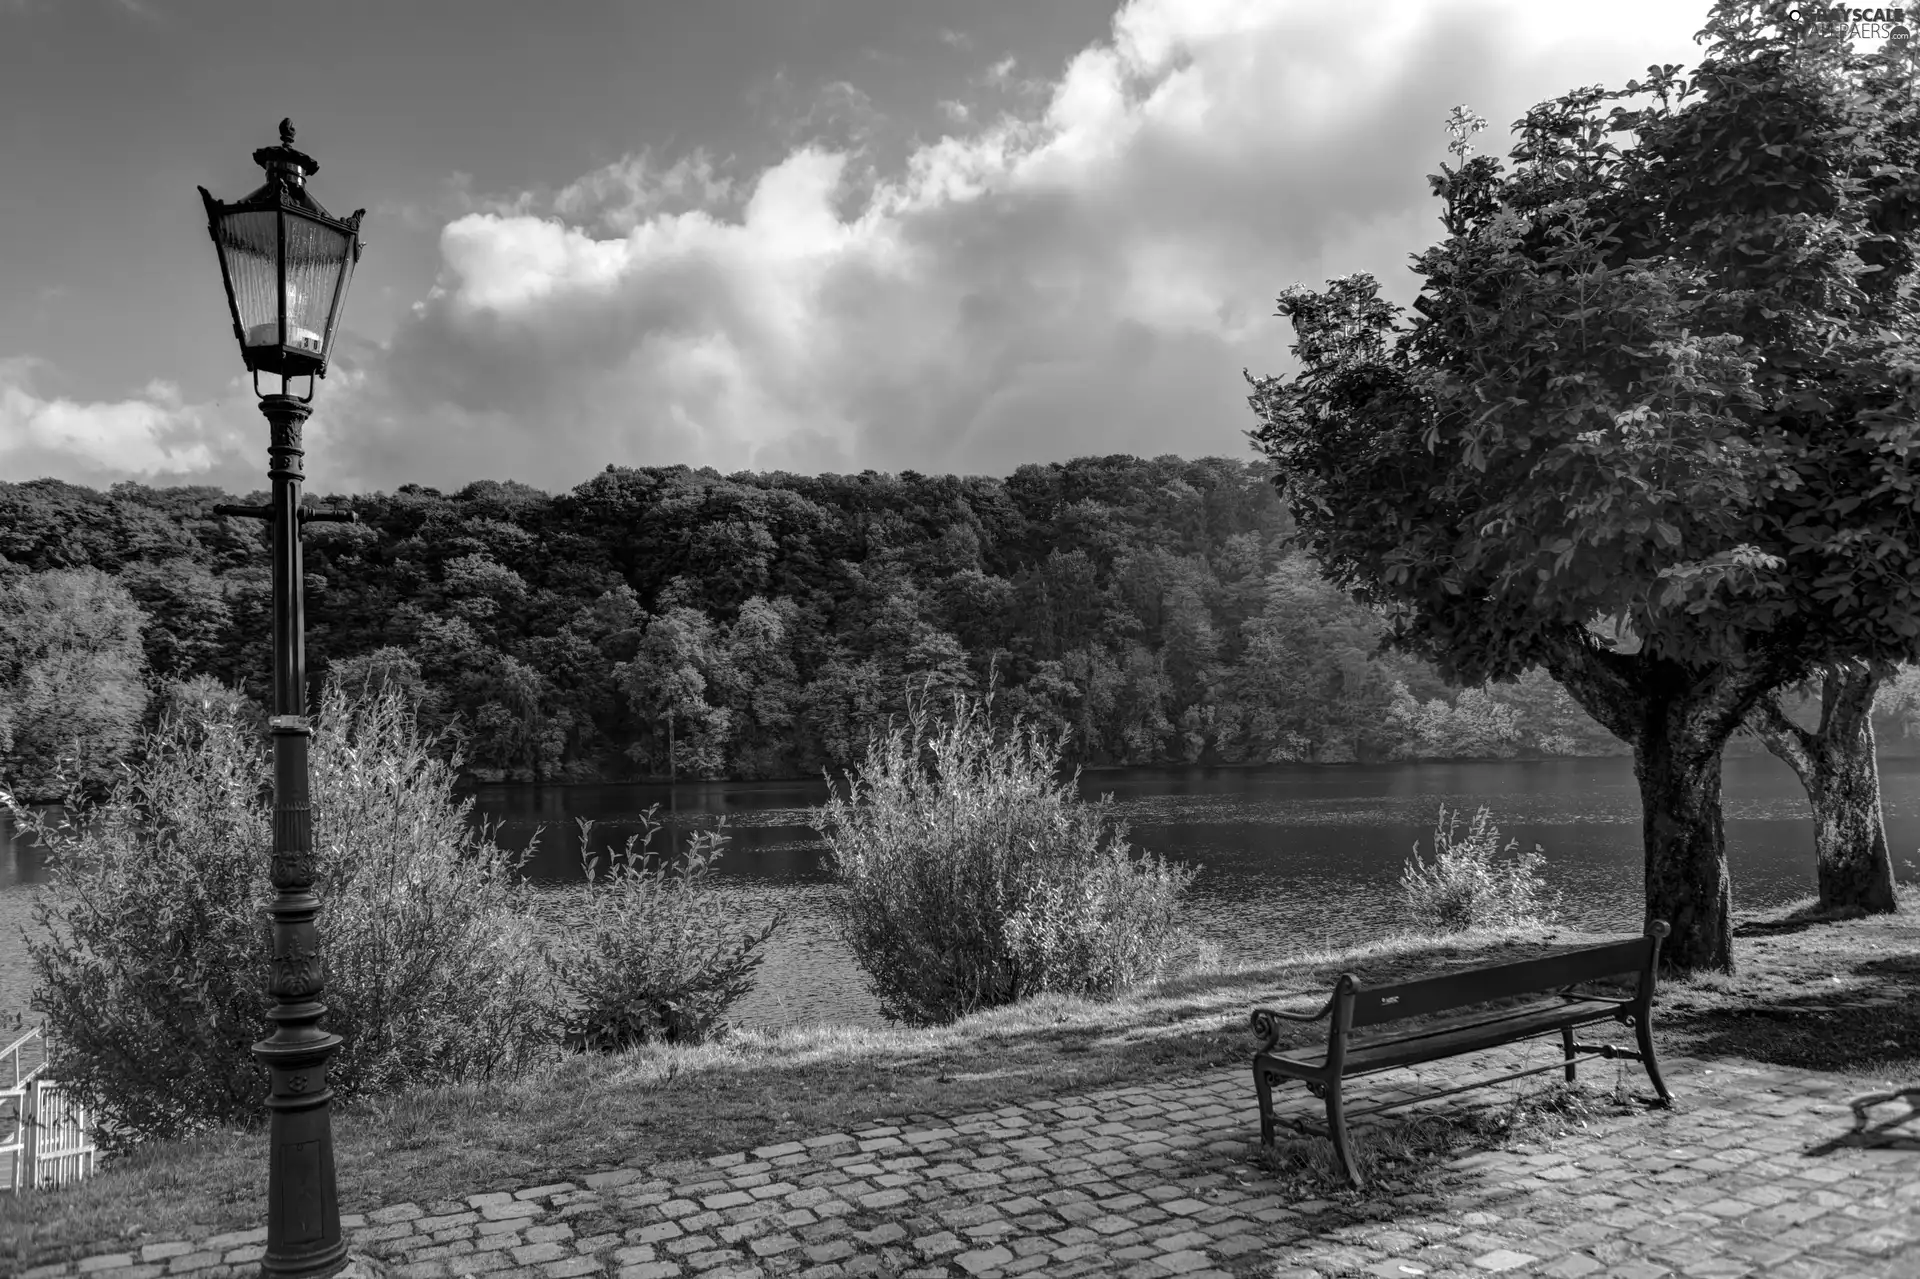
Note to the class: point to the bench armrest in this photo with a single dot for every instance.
(1266, 1022)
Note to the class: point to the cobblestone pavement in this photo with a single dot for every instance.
(1745, 1177)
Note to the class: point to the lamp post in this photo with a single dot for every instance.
(285, 263)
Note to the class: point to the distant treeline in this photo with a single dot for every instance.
(753, 625)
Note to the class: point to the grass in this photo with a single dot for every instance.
(1837, 995)
(1811, 991)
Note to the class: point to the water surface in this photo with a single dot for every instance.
(1292, 855)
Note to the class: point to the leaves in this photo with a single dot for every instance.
(1627, 389)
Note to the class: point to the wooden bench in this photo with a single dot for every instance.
(1466, 1023)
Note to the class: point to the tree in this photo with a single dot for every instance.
(678, 683)
(841, 708)
(186, 609)
(766, 690)
(1653, 425)
(1125, 598)
(1311, 681)
(1550, 722)
(1474, 726)
(72, 681)
(1897, 703)
(1835, 762)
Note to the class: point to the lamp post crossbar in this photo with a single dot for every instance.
(308, 515)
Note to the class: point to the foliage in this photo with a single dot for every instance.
(766, 624)
(1475, 725)
(72, 688)
(1465, 887)
(652, 951)
(150, 962)
(1898, 701)
(971, 876)
(1653, 425)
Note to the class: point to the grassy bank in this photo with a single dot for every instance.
(1832, 995)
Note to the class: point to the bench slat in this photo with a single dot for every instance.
(1483, 985)
(1490, 1018)
(1448, 1041)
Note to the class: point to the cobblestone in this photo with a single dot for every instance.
(1743, 1177)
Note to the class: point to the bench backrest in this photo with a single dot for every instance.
(1482, 985)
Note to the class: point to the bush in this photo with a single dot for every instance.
(971, 878)
(152, 969)
(1463, 887)
(652, 953)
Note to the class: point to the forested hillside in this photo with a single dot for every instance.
(758, 625)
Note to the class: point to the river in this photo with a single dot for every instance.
(1291, 855)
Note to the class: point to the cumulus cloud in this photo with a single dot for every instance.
(621, 195)
(1086, 270)
(1087, 276)
(153, 436)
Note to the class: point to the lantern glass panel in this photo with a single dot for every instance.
(317, 258)
(250, 247)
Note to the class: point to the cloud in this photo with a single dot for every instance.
(1086, 270)
(153, 436)
(619, 196)
(838, 111)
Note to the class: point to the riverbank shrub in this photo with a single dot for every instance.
(1466, 886)
(970, 876)
(651, 950)
(151, 964)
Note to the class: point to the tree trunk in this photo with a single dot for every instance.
(1688, 883)
(1837, 766)
(1676, 717)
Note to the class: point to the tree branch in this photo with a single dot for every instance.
(1742, 687)
(1792, 743)
(1846, 696)
(1602, 681)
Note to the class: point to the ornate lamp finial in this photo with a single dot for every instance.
(284, 165)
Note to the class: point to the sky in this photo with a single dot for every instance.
(952, 236)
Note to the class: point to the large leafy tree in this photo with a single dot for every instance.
(1653, 425)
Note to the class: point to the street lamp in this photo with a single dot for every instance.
(285, 263)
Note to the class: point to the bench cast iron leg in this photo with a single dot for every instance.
(1643, 1031)
(1337, 1129)
(1566, 1041)
(1263, 1089)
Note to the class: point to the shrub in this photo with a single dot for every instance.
(652, 951)
(152, 967)
(1464, 887)
(970, 877)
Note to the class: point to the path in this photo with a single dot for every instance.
(1743, 1178)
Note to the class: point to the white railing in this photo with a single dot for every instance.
(63, 1149)
(44, 1137)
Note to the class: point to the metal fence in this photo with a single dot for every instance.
(45, 1137)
